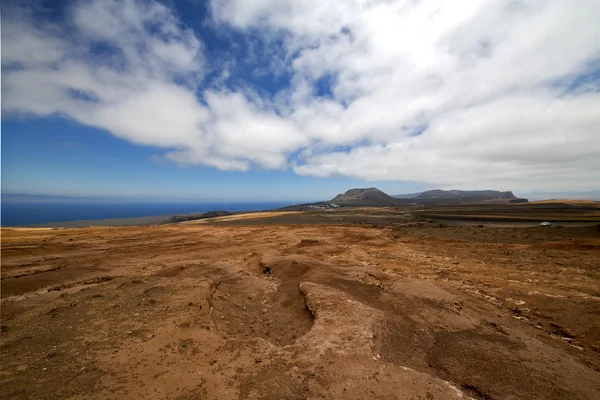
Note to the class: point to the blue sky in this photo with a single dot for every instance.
(298, 100)
(53, 156)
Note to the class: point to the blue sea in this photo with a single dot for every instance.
(33, 210)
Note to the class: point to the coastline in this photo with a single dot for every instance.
(30, 211)
(108, 222)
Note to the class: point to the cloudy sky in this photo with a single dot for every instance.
(299, 99)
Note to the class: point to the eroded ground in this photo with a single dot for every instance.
(205, 311)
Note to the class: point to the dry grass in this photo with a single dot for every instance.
(567, 201)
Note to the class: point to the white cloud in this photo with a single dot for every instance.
(132, 69)
(483, 83)
(524, 142)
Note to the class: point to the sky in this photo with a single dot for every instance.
(299, 99)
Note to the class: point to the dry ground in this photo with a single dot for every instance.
(561, 211)
(305, 311)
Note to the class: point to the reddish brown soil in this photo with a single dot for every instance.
(195, 311)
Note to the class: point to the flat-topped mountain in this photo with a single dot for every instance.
(466, 195)
(375, 197)
(366, 197)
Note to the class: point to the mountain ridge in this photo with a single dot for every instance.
(375, 197)
(447, 194)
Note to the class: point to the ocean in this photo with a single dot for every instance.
(31, 211)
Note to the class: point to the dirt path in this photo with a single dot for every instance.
(196, 311)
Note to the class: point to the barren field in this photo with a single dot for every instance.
(361, 305)
(562, 211)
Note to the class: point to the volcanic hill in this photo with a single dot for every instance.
(364, 197)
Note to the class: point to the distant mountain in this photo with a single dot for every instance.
(406, 195)
(375, 197)
(466, 194)
(441, 197)
(364, 197)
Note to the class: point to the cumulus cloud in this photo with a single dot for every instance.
(133, 69)
(472, 94)
(540, 143)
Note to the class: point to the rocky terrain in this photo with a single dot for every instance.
(349, 305)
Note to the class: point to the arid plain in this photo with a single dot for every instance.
(352, 304)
